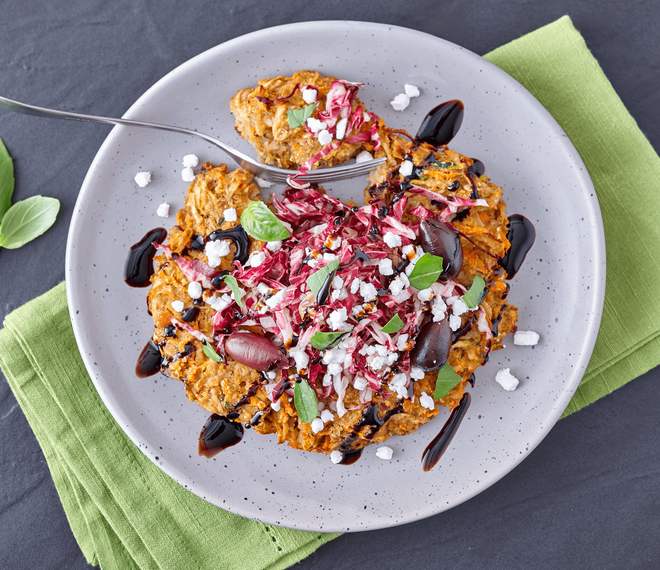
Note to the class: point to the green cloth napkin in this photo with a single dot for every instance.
(125, 513)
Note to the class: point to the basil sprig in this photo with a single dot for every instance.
(446, 381)
(472, 296)
(237, 292)
(6, 179)
(297, 117)
(304, 399)
(323, 340)
(395, 324)
(260, 223)
(426, 271)
(316, 280)
(211, 353)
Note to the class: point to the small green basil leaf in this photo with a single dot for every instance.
(6, 179)
(260, 223)
(446, 381)
(323, 340)
(26, 220)
(426, 271)
(316, 280)
(236, 291)
(304, 398)
(297, 117)
(395, 324)
(472, 296)
(210, 352)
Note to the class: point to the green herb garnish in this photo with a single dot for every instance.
(237, 292)
(297, 117)
(304, 398)
(472, 296)
(443, 164)
(6, 179)
(210, 352)
(426, 271)
(395, 324)
(446, 381)
(260, 223)
(323, 340)
(316, 280)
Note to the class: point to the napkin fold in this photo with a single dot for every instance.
(126, 513)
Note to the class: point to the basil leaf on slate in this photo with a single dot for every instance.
(426, 271)
(26, 220)
(260, 223)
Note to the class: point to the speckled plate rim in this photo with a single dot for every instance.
(555, 408)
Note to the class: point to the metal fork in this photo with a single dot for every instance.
(263, 171)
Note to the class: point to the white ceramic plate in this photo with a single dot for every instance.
(559, 289)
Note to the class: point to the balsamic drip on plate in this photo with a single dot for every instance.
(139, 266)
(442, 123)
(149, 361)
(440, 442)
(521, 235)
(217, 434)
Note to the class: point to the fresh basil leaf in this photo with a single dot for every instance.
(316, 280)
(6, 179)
(472, 296)
(395, 324)
(297, 117)
(304, 398)
(237, 292)
(260, 223)
(323, 340)
(26, 220)
(446, 381)
(426, 271)
(210, 352)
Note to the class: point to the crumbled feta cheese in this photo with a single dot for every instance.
(324, 137)
(409, 251)
(368, 291)
(336, 457)
(391, 239)
(338, 295)
(402, 342)
(276, 299)
(398, 385)
(363, 156)
(177, 306)
(376, 362)
(276, 406)
(458, 306)
(230, 215)
(385, 267)
(256, 258)
(337, 282)
(425, 295)
(263, 183)
(411, 90)
(273, 245)
(438, 309)
(315, 125)
(384, 452)
(301, 358)
(398, 284)
(417, 373)
(355, 285)
(190, 161)
(263, 289)
(327, 416)
(333, 242)
(406, 168)
(329, 257)
(143, 178)
(526, 338)
(426, 401)
(163, 210)
(317, 425)
(337, 319)
(219, 304)
(195, 289)
(400, 102)
(454, 322)
(340, 130)
(308, 94)
(215, 251)
(187, 174)
(507, 380)
(360, 383)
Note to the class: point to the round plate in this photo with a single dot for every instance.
(559, 289)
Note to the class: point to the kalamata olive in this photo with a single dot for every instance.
(432, 346)
(441, 123)
(253, 350)
(439, 239)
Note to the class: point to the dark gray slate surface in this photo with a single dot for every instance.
(589, 496)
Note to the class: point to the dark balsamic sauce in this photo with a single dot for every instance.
(190, 314)
(217, 434)
(441, 123)
(240, 239)
(324, 291)
(440, 442)
(149, 361)
(139, 266)
(521, 235)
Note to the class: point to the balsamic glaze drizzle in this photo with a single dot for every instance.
(521, 235)
(217, 434)
(139, 265)
(149, 361)
(440, 442)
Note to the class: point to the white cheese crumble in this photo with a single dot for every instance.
(219, 304)
(324, 137)
(315, 125)
(454, 322)
(273, 245)
(360, 383)
(368, 291)
(526, 338)
(398, 284)
(458, 306)
(340, 130)
(411, 90)
(301, 358)
(317, 425)
(143, 178)
(385, 267)
(190, 161)
(327, 416)
(256, 258)
(400, 102)
(417, 373)
(439, 309)
(337, 319)
(355, 285)
(177, 306)
(337, 282)
(336, 456)
(195, 289)
(384, 452)
(398, 385)
(406, 168)
(507, 380)
(363, 156)
(215, 251)
(163, 210)
(392, 240)
(308, 95)
(426, 401)
(402, 342)
(425, 295)
(230, 215)
(338, 295)
(187, 174)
